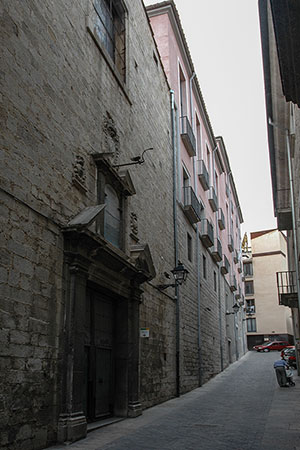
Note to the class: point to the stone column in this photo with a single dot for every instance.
(72, 423)
(134, 405)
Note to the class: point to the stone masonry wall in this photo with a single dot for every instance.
(56, 92)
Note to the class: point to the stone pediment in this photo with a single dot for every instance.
(86, 217)
(141, 257)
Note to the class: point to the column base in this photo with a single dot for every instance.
(71, 427)
(134, 409)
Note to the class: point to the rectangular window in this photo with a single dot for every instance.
(189, 247)
(249, 288)
(198, 137)
(215, 281)
(208, 161)
(251, 325)
(217, 184)
(110, 29)
(182, 93)
(204, 266)
(248, 269)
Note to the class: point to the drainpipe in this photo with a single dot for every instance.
(197, 250)
(175, 236)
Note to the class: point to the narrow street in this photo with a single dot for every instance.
(241, 409)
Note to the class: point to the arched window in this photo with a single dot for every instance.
(112, 216)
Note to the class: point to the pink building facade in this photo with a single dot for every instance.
(208, 213)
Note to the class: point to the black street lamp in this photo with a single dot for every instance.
(235, 309)
(180, 274)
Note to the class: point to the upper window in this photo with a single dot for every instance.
(110, 29)
(248, 269)
(189, 247)
(249, 288)
(204, 266)
(182, 93)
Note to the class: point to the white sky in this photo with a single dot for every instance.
(224, 40)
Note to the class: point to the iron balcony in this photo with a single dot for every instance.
(213, 199)
(203, 174)
(221, 219)
(230, 243)
(191, 205)
(225, 265)
(207, 233)
(240, 268)
(188, 136)
(233, 285)
(287, 288)
(235, 256)
(216, 251)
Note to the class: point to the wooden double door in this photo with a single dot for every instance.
(99, 355)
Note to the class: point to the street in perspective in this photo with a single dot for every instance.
(149, 232)
(242, 408)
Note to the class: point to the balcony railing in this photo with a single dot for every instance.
(188, 136)
(213, 199)
(230, 243)
(235, 256)
(207, 233)
(221, 219)
(191, 205)
(240, 267)
(225, 266)
(287, 288)
(233, 285)
(216, 251)
(203, 174)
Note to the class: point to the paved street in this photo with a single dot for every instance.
(241, 409)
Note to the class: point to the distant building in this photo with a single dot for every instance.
(266, 319)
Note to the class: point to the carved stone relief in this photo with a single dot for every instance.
(79, 173)
(111, 139)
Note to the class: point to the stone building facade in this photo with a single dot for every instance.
(81, 233)
(208, 216)
(91, 165)
(280, 25)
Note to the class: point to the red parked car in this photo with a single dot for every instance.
(274, 345)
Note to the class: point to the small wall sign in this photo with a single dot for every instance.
(144, 332)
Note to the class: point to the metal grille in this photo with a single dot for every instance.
(286, 282)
